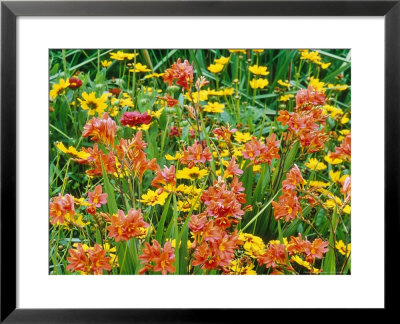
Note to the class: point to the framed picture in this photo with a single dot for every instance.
(155, 152)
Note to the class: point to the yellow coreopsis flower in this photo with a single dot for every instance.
(120, 56)
(285, 84)
(155, 114)
(316, 84)
(286, 97)
(191, 174)
(301, 262)
(228, 91)
(215, 68)
(237, 268)
(332, 111)
(253, 245)
(335, 176)
(237, 51)
(152, 198)
(154, 75)
(72, 151)
(325, 65)
(196, 96)
(314, 164)
(338, 87)
(58, 88)
(214, 107)
(319, 184)
(93, 104)
(345, 119)
(258, 70)
(105, 63)
(328, 159)
(222, 60)
(139, 67)
(259, 83)
(177, 156)
(213, 92)
(342, 248)
(258, 50)
(242, 137)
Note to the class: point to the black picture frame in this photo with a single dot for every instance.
(10, 10)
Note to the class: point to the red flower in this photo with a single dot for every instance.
(125, 227)
(175, 131)
(133, 118)
(74, 83)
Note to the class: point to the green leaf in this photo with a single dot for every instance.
(111, 202)
(160, 228)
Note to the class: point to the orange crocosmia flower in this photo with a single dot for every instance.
(253, 148)
(221, 202)
(101, 130)
(316, 249)
(171, 102)
(61, 207)
(203, 256)
(197, 223)
(98, 260)
(310, 96)
(237, 189)
(125, 227)
(97, 197)
(94, 261)
(232, 168)
(256, 151)
(343, 152)
(164, 177)
(293, 179)
(288, 206)
(313, 141)
(195, 154)
(134, 157)
(78, 260)
(297, 245)
(158, 259)
(181, 72)
(224, 133)
(273, 256)
(217, 252)
(346, 187)
(284, 117)
(96, 157)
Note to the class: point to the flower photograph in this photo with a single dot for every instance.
(199, 162)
